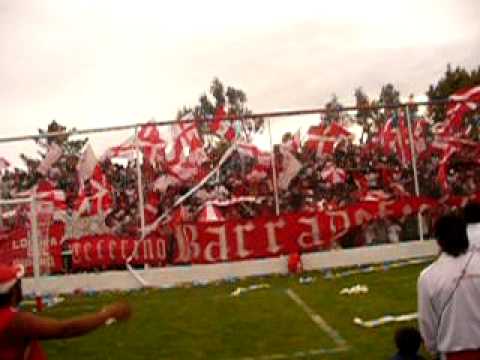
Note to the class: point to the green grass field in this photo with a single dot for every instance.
(266, 324)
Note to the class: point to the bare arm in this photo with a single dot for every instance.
(30, 326)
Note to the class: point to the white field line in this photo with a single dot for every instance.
(317, 319)
(295, 355)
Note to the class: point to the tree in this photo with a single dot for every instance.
(235, 102)
(449, 83)
(66, 164)
(333, 110)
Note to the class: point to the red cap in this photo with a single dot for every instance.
(9, 275)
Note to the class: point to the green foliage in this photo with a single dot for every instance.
(449, 83)
(66, 164)
(333, 110)
(235, 102)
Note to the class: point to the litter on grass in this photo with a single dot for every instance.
(355, 290)
(241, 290)
(385, 320)
(306, 280)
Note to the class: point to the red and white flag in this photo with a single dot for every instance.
(54, 153)
(94, 196)
(86, 164)
(221, 126)
(152, 145)
(462, 102)
(324, 139)
(333, 175)
(125, 150)
(387, 137)
(442, 176)
(403, 143)
(4, 164)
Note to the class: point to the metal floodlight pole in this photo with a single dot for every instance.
(415, 171)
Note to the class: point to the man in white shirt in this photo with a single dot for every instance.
(449, 293)
(472, 217)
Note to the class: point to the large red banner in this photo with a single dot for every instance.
(107, 251)
(204, 243)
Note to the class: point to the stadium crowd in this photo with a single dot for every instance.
(327, 174)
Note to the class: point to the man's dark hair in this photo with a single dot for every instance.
(471, 213)
(408, 341)
(451, 235)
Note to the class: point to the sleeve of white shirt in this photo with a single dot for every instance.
(427, 319)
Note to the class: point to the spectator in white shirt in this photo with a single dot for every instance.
(449, 293)
(472, 217)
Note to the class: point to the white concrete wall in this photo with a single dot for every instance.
(173, 276)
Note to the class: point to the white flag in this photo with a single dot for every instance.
(291, 166)
(54, 153)
(86, 164)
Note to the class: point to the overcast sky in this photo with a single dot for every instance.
(100, 63)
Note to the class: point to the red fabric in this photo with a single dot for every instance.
(464, 355)
(295, 265)
(32, 351)
(222, 127)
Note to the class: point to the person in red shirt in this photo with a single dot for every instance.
(20, 331)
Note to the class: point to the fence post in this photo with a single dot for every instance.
(414, 165)
(35, 249)
(141, 203)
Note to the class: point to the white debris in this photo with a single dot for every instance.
(385, 320)
(241, 290)
(355, 290)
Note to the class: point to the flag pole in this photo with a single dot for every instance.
(274, 170)
(415, 172)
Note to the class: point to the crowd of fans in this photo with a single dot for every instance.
(369, 173)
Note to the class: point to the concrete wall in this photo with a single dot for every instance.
(173, 276)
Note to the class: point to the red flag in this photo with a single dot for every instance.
(222, 127)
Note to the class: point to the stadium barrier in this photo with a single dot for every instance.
(203, 274)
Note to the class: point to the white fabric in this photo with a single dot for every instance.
(459, 328)
(87, 163)
(473, 232)
(54, 153)
(393, 232)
